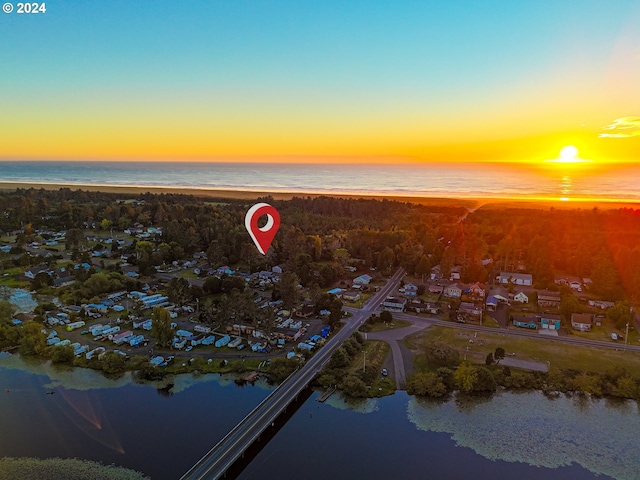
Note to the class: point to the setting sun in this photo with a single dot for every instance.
(569, 153)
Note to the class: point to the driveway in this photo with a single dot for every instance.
(400, 355)
(500, 315)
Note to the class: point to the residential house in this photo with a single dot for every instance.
(470, 309)
(576, 285)
(335, 291)
(582, 322)
(602, 304)
(550, 322)
(521, 297)
(278, 269)
(516, 278)
(492, 303)
(63, 278)
(265, 275)
(525, 321)
(410, 290)
(23, 317)
(225, 270)
(435, 273)
(436, 289)
(33, 271)
(453, 291)
(419, 306)
(305, 312)
(500, 293)
(548, 299)
(351, 296)
(127, 257)
(394, 304)
(455, 273)
(363, 279)
(477, 290)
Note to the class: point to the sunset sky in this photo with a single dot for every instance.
(320, 80)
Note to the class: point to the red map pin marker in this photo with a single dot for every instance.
(262, 236)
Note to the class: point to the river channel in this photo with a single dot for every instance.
(163, 431)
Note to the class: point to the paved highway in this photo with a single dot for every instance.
(427, 321)
(226, 452)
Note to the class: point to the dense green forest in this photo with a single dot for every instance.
(319, 236)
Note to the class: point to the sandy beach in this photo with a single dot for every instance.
(221, 194)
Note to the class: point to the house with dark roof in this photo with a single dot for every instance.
(583, 322)
(548, 299)
(550, 322)
(394, 304)
(33, 271)
(470, 309)
(525, 321)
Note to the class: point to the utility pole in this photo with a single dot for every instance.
(626, 337)
(364, 362)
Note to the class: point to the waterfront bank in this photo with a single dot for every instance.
(140, 426)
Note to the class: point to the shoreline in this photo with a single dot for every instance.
(469, 202)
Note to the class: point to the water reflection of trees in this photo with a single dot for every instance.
(466, 403)
(165, 391)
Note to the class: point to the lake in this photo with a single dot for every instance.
(163, 432)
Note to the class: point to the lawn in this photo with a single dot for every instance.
(379, 327)
(604, 333)
(373, 355)
(430, 297)
(12, 282)
(557, 354)
(188, 274)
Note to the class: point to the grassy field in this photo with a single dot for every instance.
(375, 352)
(379, 327)
(188, 274)
(487, 321)
(604, 333)
(559, 355)
(9, 281)
(430, 297)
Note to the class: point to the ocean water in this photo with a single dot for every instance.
(429, 180)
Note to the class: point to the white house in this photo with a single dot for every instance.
(521, 297)
(581, 321)
(516, 278)
(455, 273)
(453, 291)
(33, 271)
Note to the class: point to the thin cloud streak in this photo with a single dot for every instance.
(624, 127)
